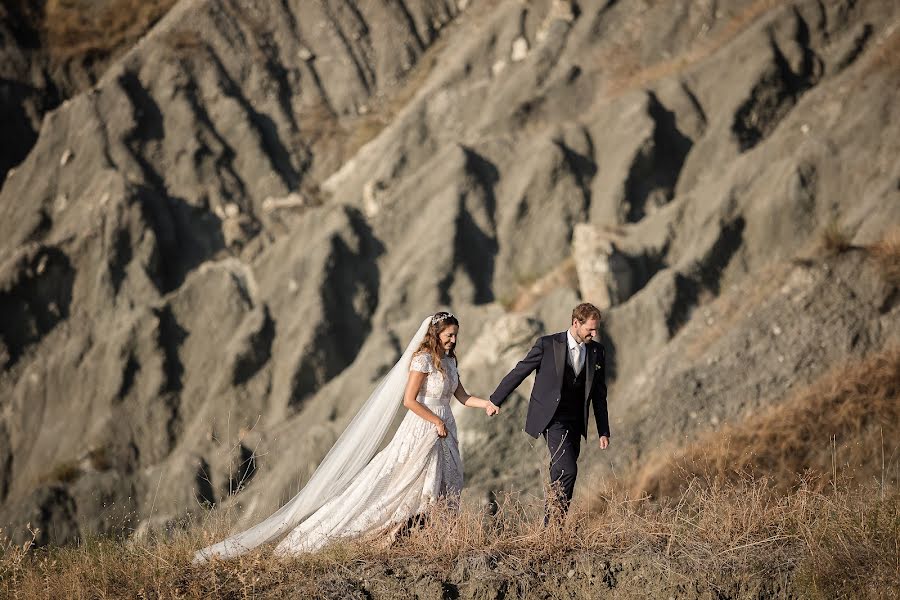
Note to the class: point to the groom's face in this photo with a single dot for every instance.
(586, 331)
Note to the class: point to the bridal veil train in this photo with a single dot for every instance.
(352, 493)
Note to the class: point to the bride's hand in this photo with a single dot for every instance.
(491, 410)
(441, 429)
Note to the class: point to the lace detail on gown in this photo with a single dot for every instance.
(414, 469)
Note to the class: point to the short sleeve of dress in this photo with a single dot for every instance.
(421, 363)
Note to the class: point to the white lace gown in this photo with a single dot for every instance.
(413, 470)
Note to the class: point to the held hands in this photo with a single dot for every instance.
(441, 429)
(489, 407)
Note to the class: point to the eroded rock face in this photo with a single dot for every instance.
(51, 52)
(208, 259)
(606, 276)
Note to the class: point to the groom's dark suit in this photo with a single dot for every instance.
(560, 402)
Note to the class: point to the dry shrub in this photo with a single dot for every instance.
(723, 534)
(886, 253)
(14, 560)
(531, 288)
(183, 41)
(854, 548)
(883, 58)
(847, 421)
(512, 529)
(65, 472)
(737, 528)
(835, 239)
(74, 28)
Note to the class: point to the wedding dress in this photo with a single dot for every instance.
(413, 470)
(352, 492)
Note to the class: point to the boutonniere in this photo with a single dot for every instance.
(598, 366)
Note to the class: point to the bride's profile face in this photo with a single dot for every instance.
(447, 337)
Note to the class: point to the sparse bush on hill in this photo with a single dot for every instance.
(846, 424)
(887, 253)
(76, 28)
(79, 27)
(854, 549)
(835, 238)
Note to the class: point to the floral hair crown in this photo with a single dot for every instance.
(438, 317)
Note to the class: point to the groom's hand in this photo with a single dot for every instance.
(604, 442)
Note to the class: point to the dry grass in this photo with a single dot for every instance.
(727, 311)
(66, 472)
(854, 548)
(835, 238)
(886, 253)
(530, 289)
(630, 74)
(348, 133)
(884, 57)
(384, 110)
(95, 29)
(841, 544)
(846, 424)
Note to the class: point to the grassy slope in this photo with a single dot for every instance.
(737, 539)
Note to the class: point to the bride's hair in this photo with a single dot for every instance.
(432, 342)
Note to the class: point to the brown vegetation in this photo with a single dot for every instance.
(355, 131)
(835, 239)
(784, 505)
(66, 472)
(846, 424)
(886, 253)
(884, 57)
(86, 28)
(630, 74)
(738, 537)
(350, 132)
(530, 288)
(385, 109)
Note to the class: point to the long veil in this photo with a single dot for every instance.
(351, 452)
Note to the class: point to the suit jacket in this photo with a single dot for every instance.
(548, 358)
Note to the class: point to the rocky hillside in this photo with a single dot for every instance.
(51, 50)
(209, 257)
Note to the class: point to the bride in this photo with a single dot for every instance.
(352, 492)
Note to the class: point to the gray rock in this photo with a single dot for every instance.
(605, 275)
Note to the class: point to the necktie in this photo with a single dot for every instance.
(577, 356)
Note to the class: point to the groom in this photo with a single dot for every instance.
(570, 377)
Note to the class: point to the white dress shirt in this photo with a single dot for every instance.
(576, 353)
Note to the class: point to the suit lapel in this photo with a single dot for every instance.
(589, 364)
(559, 353)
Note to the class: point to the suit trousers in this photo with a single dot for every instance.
(564, 443)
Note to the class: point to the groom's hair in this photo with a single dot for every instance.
(585, 311)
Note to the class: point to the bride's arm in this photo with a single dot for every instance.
(413, 384)
(469, 400)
